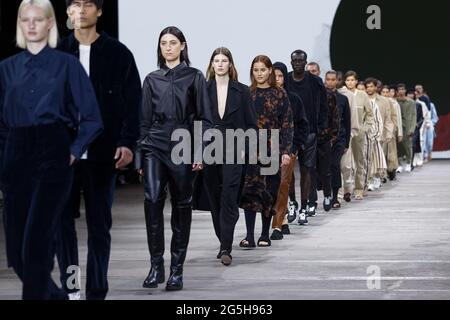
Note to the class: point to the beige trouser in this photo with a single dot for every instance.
(348, 170)
(390, 151)
(360, 149)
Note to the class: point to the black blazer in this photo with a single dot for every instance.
(117, 85)
(346, 121)
(239, 113)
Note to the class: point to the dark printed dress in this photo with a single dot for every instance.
(274, 111)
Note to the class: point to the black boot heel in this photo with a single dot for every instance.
(155, 277)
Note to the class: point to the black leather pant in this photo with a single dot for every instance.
(157, 175)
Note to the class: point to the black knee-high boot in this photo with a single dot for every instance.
(154, 220)
(181, 228)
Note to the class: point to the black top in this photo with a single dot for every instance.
(312, 92)
(239, 113)
(346, 122)
(419, 115)
(301, 126)
(47, 88)
(117, 85)
(427, 102)
(172, 99)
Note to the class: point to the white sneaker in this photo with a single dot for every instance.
(292, 213)
(75, 296)
(302, 218)
(377, 183)
(371, 187)
(400, 169)
(408, 168)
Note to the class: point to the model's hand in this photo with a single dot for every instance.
(400, 139)
(285, 160)
(197, 167)
(124, 157)
(140, 172)
(72, 160)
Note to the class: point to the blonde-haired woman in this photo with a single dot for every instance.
(48, 117)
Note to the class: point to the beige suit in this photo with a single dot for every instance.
(360, 142)
(386, 115)
(348, 162)
(390, 148)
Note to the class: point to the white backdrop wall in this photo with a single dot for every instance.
(246, 27)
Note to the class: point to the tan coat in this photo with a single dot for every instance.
(396, 118)
(390, 148)
(348, 166)
(385, 110)
(365, 112)
(360, 143)
(399, 119)
(353, 110)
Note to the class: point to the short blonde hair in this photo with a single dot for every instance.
(47, 6)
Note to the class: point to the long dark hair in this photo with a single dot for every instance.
(180, 36)
(268, 63)
(210, 74)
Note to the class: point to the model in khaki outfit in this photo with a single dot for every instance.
(348, 162)
(409, 122)
(390, 148)
(384, 132)
(359, 142)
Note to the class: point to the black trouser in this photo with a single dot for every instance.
(307, 160)
(157, 174)
(36, 179)
(292, 195)
(416, 146)
(321, 175)
(222, 188)
(337, 152)
(97, 181)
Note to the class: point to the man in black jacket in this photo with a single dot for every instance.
(117, 85)
(312, 92)
(342, 143)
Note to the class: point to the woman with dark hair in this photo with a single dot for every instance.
(231, 109)
(274, 112)
(173, 98)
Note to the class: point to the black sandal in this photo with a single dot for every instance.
(336, 204)
(246, 243)
(348, 197)
(264, 242)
